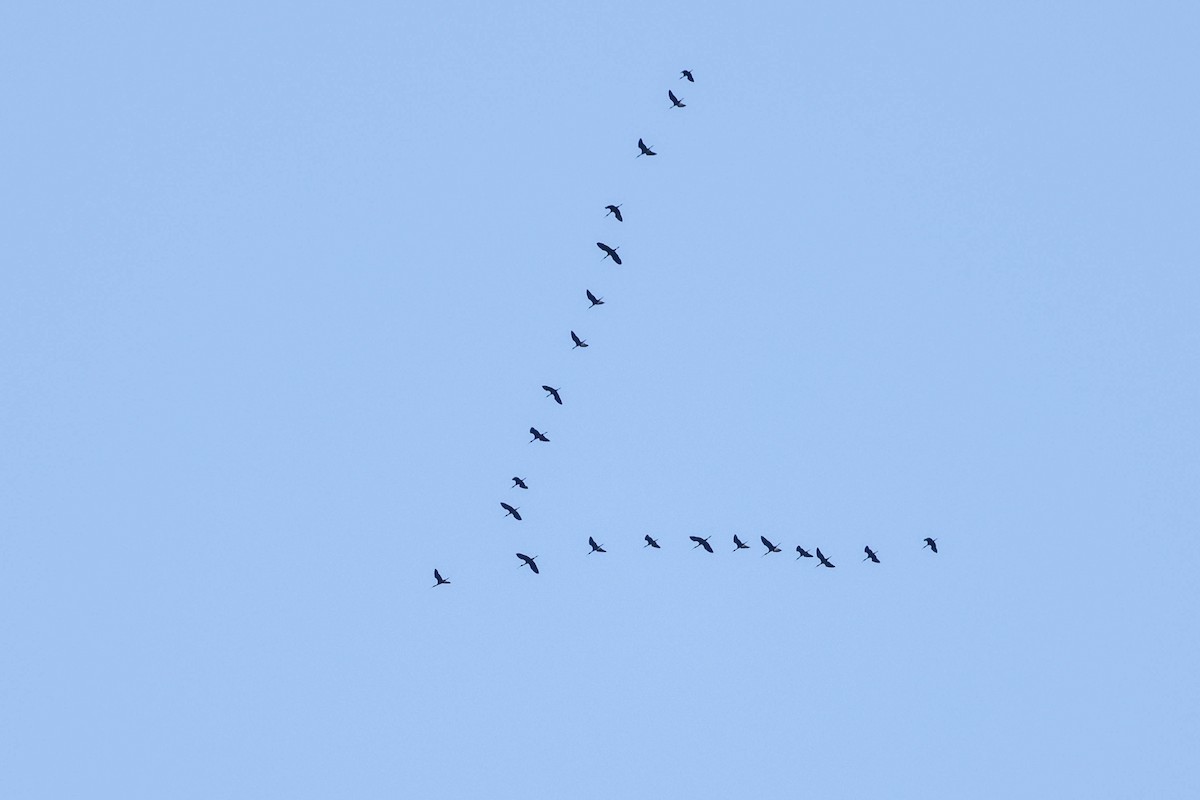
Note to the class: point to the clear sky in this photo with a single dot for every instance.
(280, 283)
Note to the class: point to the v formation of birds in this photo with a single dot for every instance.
(614, 210)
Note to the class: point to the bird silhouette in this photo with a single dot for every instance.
(609, 252)
(646, 151)
(686, 73)
(870, 554)
(538, 436)
(519, 482)
(596, 301)
(803, 553)
(651, 542)
(553, 393)
(825, 562)
(770, 547)
(437, 576)
(702, 542)
(675, 101)
(528, 562)
(738, 544)
(596, 548)
(578, 342)
(511, 511)
(616, 212)
(930, 543)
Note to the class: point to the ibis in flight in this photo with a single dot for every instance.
(578, 342)
(510, 511)
(437, 576)
(528, 562)
(609, 252)
(538, 436)
(930, 543)
(554, 394)
(519, 483)
(675, 101)
(646, 151)
(651, 542)
(870, 554)
(596, 548)
(686, 73)
(770, 547)
(596, 301)
(825, 562)
(803, 553)
(702, 542)
(738, 544)
(616, 212)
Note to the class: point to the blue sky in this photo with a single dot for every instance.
(281, 283)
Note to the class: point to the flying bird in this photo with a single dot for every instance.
(519, 482)
(616, 212)
(609, 252)
(825, 562)
(930, 543)
(738, 544)
(686, 73)
(770, 547)
(596, 548)
(437, 576)
(702, 542)
(675, 101)
(510, 510)
(596, 301)
(870, 554)
(578, 342)
(651, 542)
(803, 553)
(554, 394)
(646, 151)
(528, 562)
(538, 436)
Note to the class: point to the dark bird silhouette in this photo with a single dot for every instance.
(596, 301)
(596, 548)
(702, 542)
(511, 510)
(651, 542)
(770, 547)
(616, 212)
(528, 562)
(538, 436)
(437, 576)
(519, 482)
(646, 151)
(870, 554)
(930, 543)
(554, 394)
(803, 553)
(578, 342)
(738, 544)
(825, 562)
(609, 252)
(686, 73)
(675, 101)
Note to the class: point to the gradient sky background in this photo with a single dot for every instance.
(281, 282)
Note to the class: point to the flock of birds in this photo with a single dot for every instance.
(614, 210)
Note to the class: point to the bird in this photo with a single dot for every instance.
(596, 548)
(554, 394)
(686, 73)
(651, 542)
(510, 510)
(616, 212)
(609, 252)
(538, 436)
(738, 544)
(675, 101)
(825, 562)
(930, 543)
(578, 342)
(870, 554)
(437, 576)
(646, 151)
(528, 562)
(803, 553)
(770, 547)
(596, 301)
(519, 482)
(702, 542)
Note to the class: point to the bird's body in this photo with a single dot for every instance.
(646, 151)
(437, 576)
(609, 252)
(650, 542)
(554, 394)
(930, 543)
(870, 554)
(510, 511)
(675, 101)
(738, 544)
(596, 548)
(686, 73)
(825, 562)
(519, 483)
(578, 342)
(803, 553)
(616, 212)
(538, 436)
(595, 301)
(770, 547)
(702, 542)
(528, 562)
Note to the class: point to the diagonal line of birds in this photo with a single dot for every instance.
(614, 210)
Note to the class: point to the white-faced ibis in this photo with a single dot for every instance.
(803, 553)
(675, 101)
(510, 511)
(578, 342)
(554, 394)
(870, 554)
(702, 542)
(825, 562)
(616, 212)
(646, 151)
(738, 544)
(596, 548)
(437, 576)
(930, 543)
(609, 252)
(528, 562)
(686, 73)
(770, 547)
(538, 436)
(650, 542)
(596, 301)
(519, 483)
